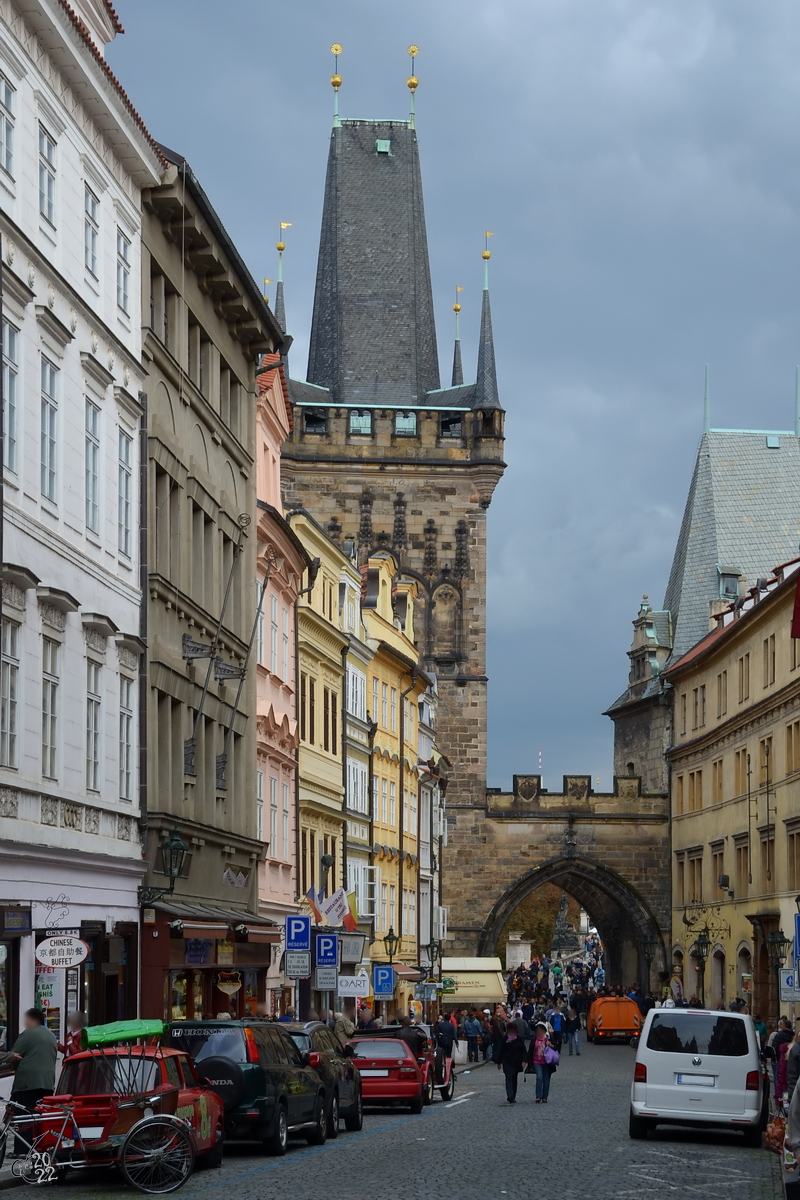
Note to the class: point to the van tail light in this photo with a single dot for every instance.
(314, 1058)
(251, 1044)
(640, 1073)
(752, 1081)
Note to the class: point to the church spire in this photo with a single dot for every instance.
(280, 310)
(458, 371)
(486, 383)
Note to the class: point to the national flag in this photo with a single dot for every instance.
(311, 897)
(350, 919)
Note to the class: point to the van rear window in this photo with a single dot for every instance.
(208, 1041)
(698, 1033)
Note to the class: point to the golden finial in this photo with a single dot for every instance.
(336, 79)
(487, 254)
(457, 306)
(266, 297)
(412, 81)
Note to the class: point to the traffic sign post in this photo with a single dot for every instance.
(383, 981)
(298, 932)
(789, 986)
(297, 964)
(326, 979)
(327, 950)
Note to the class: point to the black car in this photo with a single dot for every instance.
(333, 1062)
(268, 1086)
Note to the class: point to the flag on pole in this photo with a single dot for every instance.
(350, 919)
(311, 897)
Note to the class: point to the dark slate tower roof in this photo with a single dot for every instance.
(742, 517)
(486, 384)
(373, 339)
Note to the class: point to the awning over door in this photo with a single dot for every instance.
(478, 981)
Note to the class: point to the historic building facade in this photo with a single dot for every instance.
(380, 452)
(735, 797)
(207, 947)
(74, 158)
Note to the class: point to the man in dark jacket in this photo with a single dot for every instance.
(510, 1056)
(34, 1057)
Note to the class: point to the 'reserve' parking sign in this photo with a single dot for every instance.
(298, 932)
(327, 950)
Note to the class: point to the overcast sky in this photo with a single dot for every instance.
(638, 165)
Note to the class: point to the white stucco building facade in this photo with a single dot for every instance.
(74, 157)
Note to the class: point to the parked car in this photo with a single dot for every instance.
(333, 1062)
(268, 1087)
(613, 1018)
(696, 1067)
(389, 1071)
(438, 1071)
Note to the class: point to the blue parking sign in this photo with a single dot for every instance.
(383, 981)
(298, 932)
(327, 950)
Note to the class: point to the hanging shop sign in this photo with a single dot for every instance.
(62, 951)
(229, 982)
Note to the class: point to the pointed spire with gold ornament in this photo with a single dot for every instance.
(280, 246)
(486, 384)
(412, 81)
(336, 82)
(458, 370)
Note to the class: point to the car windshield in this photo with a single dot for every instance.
(698, 1033)
(109, 1074)
(209, 1041)
(381, 1049)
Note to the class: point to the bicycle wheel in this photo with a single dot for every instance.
(157, 1156)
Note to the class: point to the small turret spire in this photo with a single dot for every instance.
(280, 246)
(458, 371)
(706, 405)
(336, 82)
(413, 82)
(486, 384)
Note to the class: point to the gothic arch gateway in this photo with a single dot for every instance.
(608, 850)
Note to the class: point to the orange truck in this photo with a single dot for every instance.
(613, 1018)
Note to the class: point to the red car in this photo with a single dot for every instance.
(389, 1072)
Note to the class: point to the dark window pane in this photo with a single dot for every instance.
(698, 1033)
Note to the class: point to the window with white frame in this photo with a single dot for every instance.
(384, 802)
(92, 467)
(51, 651)
(375, 801)
(357, 786)
(47, 176)
(392, 804)
(260, 624)
(273, 817)
(273, 634)
(125, 738)
(384, 890)
(358, 882)
(260, 805)
(285, 816)
(411, 927)
(123, 271)
(392, 905)
(385, 705)
(10, 398)
(49, 445)
(94, 701)
(374, 713)
(285, 647)
(412, 813)
(7, 106)
(356, 693)
(124, 493)
(9, 694)
(91, 230)
(394, 710)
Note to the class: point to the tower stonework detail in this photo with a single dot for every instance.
(379, 449)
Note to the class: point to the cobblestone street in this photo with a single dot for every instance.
(479, 1147)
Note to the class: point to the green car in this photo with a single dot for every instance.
(265, 1082)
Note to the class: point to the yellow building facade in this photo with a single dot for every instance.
(395, 684)
(735, 799)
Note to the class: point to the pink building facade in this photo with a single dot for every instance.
(280, 555)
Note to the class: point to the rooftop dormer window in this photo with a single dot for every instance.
(405, 424)
(451, 425)
(315, 420)
(361, 421)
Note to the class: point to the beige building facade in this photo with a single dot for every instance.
(735, 797)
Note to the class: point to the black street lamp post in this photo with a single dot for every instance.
(778, 950)
(391, 942)
(173, 857)
(701, 949)
(649, 946)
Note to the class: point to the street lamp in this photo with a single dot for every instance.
(778, 949)
(391, 942)
(433, 952)
(701, 948)
(173, 857)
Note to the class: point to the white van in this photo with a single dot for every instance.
(695, 1067)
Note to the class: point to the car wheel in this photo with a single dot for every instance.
(355, 1118)
(448, 1091)
(752, 1137)
(278, 1140)
(333, 1117)
(213, 1157)
(416, 1104)
(638, 1127)
(429, 1089)
(319, 1134)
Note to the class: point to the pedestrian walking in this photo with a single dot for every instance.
(510, 1057)
(572, 1029)
(472, 1031)
(33, 1057)
(486, 1034)
(537, 1058)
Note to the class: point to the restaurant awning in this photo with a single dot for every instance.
(204, 922)
(477, 981)
(409, 973)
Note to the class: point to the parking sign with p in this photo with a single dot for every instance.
(298, 932)
(327, 950)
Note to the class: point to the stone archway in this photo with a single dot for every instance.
(620, 913)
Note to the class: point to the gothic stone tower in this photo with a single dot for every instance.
(380, 452)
